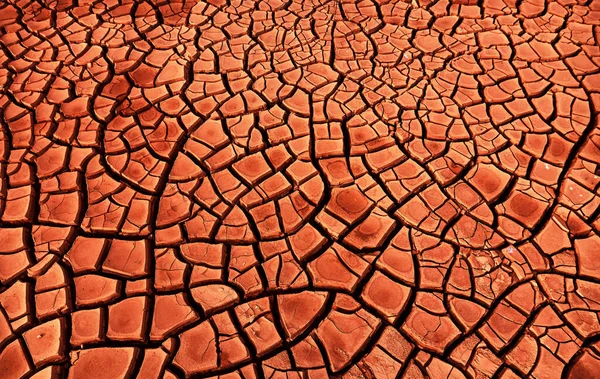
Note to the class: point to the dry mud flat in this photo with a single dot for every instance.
(270, 189)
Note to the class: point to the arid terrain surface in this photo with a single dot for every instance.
(299, 189)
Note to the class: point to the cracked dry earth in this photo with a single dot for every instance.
(299, 189)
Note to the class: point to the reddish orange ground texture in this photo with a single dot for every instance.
(299, 189)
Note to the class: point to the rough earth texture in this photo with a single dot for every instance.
(299, 189)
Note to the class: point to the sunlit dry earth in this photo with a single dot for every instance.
(299, 189)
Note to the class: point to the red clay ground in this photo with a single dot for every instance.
(270, 189)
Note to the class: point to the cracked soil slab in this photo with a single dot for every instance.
(299, 189)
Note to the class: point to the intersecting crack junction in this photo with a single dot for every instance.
(307, 189)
